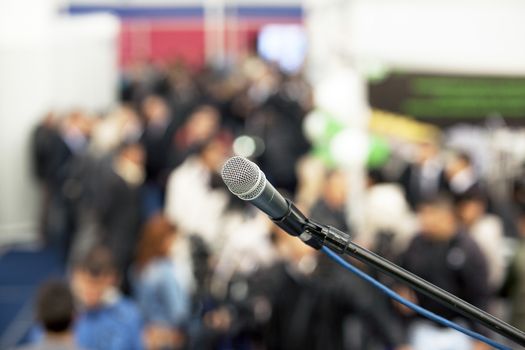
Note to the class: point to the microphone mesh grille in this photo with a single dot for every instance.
(243, 177)
(256, 191)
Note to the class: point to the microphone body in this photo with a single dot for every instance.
(244, 179)
(271, 202)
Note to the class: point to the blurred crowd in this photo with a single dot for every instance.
(160, 256)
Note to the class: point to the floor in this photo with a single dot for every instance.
(22, 269)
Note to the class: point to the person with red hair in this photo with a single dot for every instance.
(163, 301)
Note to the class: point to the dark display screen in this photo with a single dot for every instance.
(446, 99)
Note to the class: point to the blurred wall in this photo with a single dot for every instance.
(466, 36)
(46, 61)
(451, 36)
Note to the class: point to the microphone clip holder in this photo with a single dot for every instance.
(314, 234)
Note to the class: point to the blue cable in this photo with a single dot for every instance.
(424, 312)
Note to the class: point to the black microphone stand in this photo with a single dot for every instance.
(318, 235)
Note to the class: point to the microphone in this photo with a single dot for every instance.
(245, 180)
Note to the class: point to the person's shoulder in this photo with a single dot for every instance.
(48, 346)
(158, 269)
(127, 314)
(417, 240)
(491, 224)
(127, 310)
(126, 304)
(189, 169)
(463, 238)
(163, 264)
(467, 243)
(27, 347)
(406, 171)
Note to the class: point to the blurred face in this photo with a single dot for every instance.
(82, 122)
(89, 289)
(214, 155)
(77, 124)
(155, 110)
(168, 243)
(455, 166)
(336, 190)
(203, 124)
(131, 125)
(426, 151)
(135, 153)
(470, 211)
(436, 222)
(49, 120)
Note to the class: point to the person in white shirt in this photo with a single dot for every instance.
(461, 175)
(195, 197)
(195, 202)
(389, 224)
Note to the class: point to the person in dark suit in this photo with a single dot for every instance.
(425, 177)
(158, 142)
(514, 286)
(49, 154)
(201, 124)
(43, 139)
(56, 144)
(117, 203)
(157, 138)
(278, 122)
(449, 258)
(330, 209)
(311, 300)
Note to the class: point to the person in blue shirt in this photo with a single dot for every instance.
(106, 320)
(162, 300)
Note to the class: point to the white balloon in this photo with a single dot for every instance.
(314, 125)
(350, 147)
